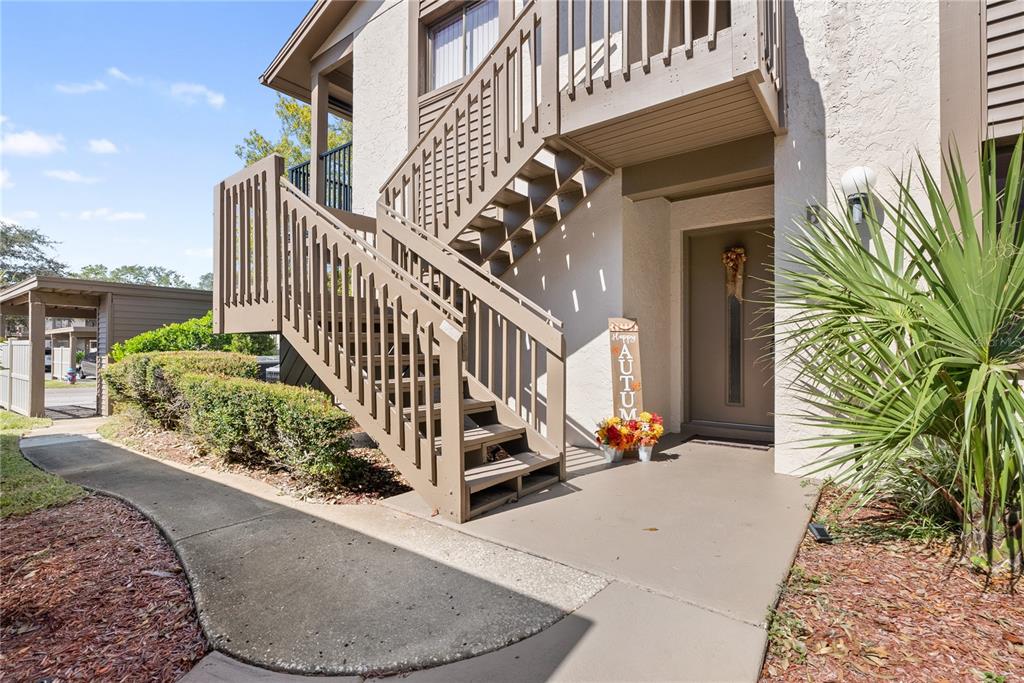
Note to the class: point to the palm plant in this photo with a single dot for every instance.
(907, 350)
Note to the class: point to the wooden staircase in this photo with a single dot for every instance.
(460, 379)
(491, 176)
(446, 379)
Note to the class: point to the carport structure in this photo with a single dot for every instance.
(121, 312)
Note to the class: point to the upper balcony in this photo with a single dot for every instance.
(337, 168)
(651, 79)
(622, 82)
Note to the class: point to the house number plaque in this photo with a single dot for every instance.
(627, 389)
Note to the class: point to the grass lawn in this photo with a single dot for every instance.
(58, 384)
(24, 487)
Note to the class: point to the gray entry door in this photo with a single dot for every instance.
(730, 380)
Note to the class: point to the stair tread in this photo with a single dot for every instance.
(485, 435)
(469, 406)
(517, 464)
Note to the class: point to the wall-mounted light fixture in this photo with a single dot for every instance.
(857, 184)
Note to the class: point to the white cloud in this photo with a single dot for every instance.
(111, 216)
(80, 88)
(5, 178)
(190, 93)
(116, 73)
(20, 217)
(30, 143)
(199, 252)
(102, 146)
(71, 177)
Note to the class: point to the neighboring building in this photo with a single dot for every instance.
(516, 165)
(82, 315)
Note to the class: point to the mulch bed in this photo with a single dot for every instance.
(91, 591)
(147, 437)
(897, 610)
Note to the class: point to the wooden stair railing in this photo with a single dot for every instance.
(287, 266)
(514, 351)
(492, 127)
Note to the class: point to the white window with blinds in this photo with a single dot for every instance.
(460, 42)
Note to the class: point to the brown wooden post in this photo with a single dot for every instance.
(37, 351)
(318, 141)
(556, 402)
(551, 124)
(454, 465)
(218, 258)
(272, 234)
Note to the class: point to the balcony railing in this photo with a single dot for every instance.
(337, 177)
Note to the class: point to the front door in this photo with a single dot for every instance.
(729, 383)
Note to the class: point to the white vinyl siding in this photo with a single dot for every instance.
(459, 43)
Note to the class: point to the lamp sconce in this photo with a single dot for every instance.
(857, 184)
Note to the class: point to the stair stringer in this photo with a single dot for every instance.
(445, 495)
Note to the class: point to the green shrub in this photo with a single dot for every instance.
(148, 380)
(216, 397)
(194, 335)
(270, 424)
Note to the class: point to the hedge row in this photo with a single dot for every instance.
(193, 335)
(215, 397)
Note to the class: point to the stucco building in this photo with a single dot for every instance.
(524, 172)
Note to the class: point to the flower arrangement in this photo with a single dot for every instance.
(650, 428)
(615, 433)
(733, 259)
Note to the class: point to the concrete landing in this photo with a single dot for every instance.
(694, 544)
(325, 589)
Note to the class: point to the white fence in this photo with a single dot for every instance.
(60, 361)
(15, 387)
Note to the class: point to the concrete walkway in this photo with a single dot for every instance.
(639, 572)
(324, 589)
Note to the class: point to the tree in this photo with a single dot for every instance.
(25, 252)
(907, 351)
(295, 138)
(135, 274)
(205, 282)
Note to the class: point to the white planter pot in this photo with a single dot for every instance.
(611, 454)
(645, 453)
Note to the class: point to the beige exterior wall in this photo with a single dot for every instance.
(862, 86)
(380, 84)
(646, 280)
(577, 274)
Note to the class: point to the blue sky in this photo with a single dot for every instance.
(118, 118)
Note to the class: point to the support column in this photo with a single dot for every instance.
(104, 340)
(37, 353)
(318, 141)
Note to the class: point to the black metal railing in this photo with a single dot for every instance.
(337, 177)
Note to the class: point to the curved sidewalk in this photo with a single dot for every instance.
(324, 589)
(655, 572)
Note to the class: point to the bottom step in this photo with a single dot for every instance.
(491, 473)
(504, 481)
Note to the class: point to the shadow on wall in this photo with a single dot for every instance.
(800, 154)
(575, 272)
